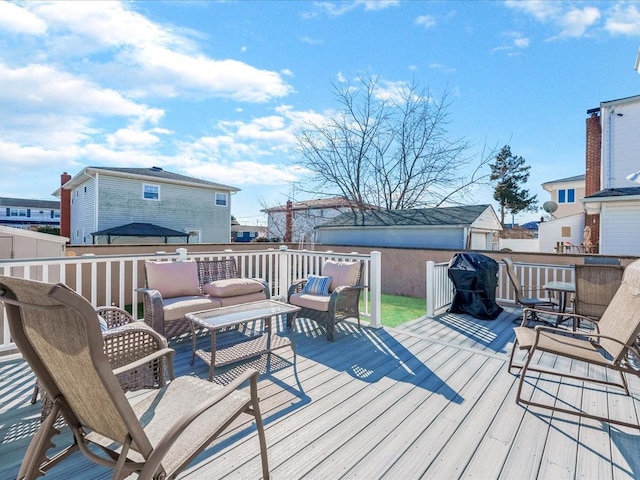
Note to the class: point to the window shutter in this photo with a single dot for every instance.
(28, 212)
(8, 212)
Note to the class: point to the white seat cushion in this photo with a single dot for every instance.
(177, 307)
(313, 302)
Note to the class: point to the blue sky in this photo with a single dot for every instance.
(216, 90)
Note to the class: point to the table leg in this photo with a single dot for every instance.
(292, 334)
(193, 343)
(212, 365)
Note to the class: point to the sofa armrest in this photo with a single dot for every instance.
(265, 286)
(153, 309)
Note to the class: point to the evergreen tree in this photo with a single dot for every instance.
(510, 173)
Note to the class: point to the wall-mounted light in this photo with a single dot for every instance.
(634, 177)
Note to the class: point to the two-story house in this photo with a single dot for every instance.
(564, 224)
(26, 213)
(296, 221)
(612, 198)
(157, 202)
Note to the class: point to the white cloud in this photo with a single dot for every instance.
(15, 19)
(343, 7)
(623, 20)
(576, 21)
(108, 36)
(425, 21)
(517, 43)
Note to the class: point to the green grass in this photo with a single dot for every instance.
(396, 309)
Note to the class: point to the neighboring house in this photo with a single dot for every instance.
(20, 243)
(99, 199)
(566, 193)
(26, 213)
(304, 217)
(611, 201)
(566, 224)
(247, 233)
(465, 227)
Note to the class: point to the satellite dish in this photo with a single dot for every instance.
(550, 206)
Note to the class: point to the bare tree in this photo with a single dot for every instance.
(389, 148)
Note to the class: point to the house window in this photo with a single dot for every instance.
(17, 212)
(150, 192)
(221, 199)
(567, 196)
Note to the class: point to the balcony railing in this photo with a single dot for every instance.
(440, 289)
(114, 279)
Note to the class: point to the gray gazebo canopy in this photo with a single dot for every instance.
(139, 230)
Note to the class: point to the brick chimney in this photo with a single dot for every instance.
(593, 169)
(288, 229)
(65, 207)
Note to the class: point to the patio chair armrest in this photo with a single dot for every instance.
(114, 316)
(185, 420)
(153, 309)
(564, 315)
(169, 353)
(296, 287)
(128, 344)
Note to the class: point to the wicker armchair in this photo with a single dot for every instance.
(342, 302)
(126, 342)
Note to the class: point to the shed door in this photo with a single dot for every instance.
(480, 241)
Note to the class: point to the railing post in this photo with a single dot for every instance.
(283, 271)
(375, 289)
(430, 284)
(182, 254)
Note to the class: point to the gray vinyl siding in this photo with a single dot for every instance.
(179, 207)
(83, 207)
(410, 237)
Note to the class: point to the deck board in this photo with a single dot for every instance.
(429, 399)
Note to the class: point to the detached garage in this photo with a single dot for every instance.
(464, 227)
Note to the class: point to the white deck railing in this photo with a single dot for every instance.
(114, 279)
(440, 289)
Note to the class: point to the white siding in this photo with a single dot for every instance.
(551, 232)
(620, 229)
(487, 220)
(412, 237)
(83, 221)
(620, 143)
(303, 222)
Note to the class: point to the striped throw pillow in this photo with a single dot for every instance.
(317, 285)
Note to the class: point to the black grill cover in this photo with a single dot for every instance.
(475, 278)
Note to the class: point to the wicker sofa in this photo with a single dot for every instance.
(339, 303)
(177, 288)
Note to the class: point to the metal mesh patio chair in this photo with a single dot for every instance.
(56, 331)
(611, 345)
(596, 285)
(536, 303)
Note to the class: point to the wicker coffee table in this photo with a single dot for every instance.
(245, 344)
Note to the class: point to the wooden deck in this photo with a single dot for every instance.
(432, 399)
